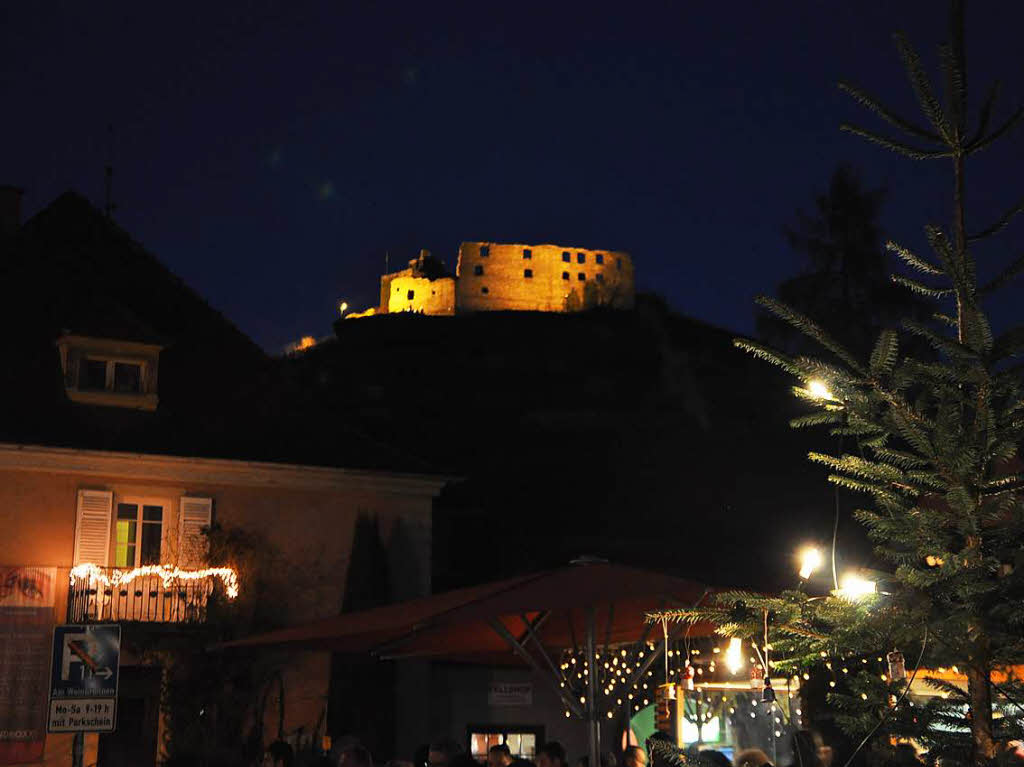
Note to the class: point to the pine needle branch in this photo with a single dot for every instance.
(998, 133)
(998, 225)
(921, 288)
(913, 260)
(913, 152)
(886, 114)
(923, 89)
(811, 329)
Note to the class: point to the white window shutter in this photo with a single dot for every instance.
(195, 514)
(92, 527)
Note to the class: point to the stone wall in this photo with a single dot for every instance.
(545, 278)
(408, 293)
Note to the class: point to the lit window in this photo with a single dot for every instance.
(410, 295)
(522, 742)
(139, 532)
(581, 258)
(599, 258)
(478, 270)
(565, 275)
(485, 251)
(484, 290)
(581, 277)
(600, 278)
(566, 257)
(527, 253)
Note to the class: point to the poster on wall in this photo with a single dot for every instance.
(27, 598)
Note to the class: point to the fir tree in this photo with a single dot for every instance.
(935, 440)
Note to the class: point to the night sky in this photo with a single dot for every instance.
(271, 153)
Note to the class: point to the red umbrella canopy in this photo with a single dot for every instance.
(464, 624)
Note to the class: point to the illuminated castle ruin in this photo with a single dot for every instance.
(498, 277)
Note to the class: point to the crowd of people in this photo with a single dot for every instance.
(808, 750)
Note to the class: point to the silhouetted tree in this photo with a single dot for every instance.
(845, 284)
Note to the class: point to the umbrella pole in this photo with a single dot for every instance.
(593, 722)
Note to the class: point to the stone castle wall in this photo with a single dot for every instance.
(544, 278)
(407, 293)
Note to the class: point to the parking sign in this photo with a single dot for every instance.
(83, 678)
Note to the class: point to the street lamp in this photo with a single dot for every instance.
(810, 560)
(342, 308)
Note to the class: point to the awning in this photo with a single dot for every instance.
(469, 624)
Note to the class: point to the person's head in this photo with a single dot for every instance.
(751, 757)
(278, 754)
(634, 756)
(355, 756)
(499, 756)
(716, 758)
(552, 754)
(442, 752)
(809, 750)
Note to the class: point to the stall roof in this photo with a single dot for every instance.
(466, 624)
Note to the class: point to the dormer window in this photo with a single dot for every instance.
(104, 371)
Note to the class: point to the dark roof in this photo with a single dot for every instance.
(72, 270)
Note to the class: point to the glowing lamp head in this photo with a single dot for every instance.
(343, 307)
(855, 587)
(818, 389)
(810, 560)
(734, 655)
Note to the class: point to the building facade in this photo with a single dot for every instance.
(136, 425)
(494, 276)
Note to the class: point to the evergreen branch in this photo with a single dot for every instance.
(816, 419)
(883, 356)
(765, 353)
(913, 152)
(951, 348)
(913, 260)
(998, 225)
(945, 319)
(998, 133)
(1010, 343)
(1005, 276)
(985, 113)
(923, 89)
(920, 288)
(899, 458)
(886, 114)
(809, 328)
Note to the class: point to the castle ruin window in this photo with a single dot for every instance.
(484, 290)
(581, 258)
(527, 253)
(478, 270)
(566, 257)
(600, 278)
(581, 277)
(565, 275)
(485, 251)
(599, 258)
(411, 294)
(618, 264)
(528, 273)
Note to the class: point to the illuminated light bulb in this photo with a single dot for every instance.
(618, 701)
(583, 699)
(610, 714)
(753, 715)
(810, 560)
(863, 696)
(831, 684)
(645, 701)
(799, 712)
(567, 714)
(734, 655)
(818, 389)
(623, 653)
(854, 587)
(806, 676)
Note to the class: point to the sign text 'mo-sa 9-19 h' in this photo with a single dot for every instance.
(83, 678)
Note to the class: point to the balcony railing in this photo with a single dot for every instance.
(150, 594)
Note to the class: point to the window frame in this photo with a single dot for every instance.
(140, 502)
(75, 350)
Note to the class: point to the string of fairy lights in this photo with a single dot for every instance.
(168, 575)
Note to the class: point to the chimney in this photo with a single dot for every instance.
(10, 210)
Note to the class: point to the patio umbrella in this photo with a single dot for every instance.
(525, 620)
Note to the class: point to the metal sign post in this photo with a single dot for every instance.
(84, 671)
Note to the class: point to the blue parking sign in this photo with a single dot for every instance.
(83, 678)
